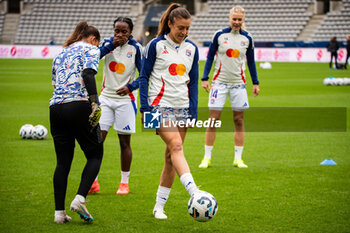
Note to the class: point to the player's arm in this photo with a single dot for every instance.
(91, 60)
(193, 87)
(148, 60)
(106, 47)
(53, 72)
(252, 67)
(90, 85)
(138, 62)
(213, 47)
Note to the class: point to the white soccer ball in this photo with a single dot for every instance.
(202, 206)
(346, 81)
(339, 81)
(26, 131)
(332, 81)
(327, 81)
(39, 132)
(266, 65)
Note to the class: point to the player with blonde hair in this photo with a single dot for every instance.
(232, 46)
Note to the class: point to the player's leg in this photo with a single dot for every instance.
(210, 136)
(186, 177)
(95, 187)
(106, 121)
(238, 118)
(166, 181)
(125, 121)
(172, 137)
(90, 141)
(331, 63)
(175, 162)
(126, 152)
(239, 102)
(336, 60)
(64, 153)
(107, 116)
(217, 99)
(64, 143)
(125, 160)
(169, 172)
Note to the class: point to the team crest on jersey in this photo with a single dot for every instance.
(188, 52)
(129, 55)
(225, 42)
(243, 43)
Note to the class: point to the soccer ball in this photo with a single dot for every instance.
(332, 81)
(326, 81)
(202, 206)
(340, 81)
(26, 131)
(39, 132)
(346, 81)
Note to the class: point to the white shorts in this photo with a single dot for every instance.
(237, 94)
(120, 114)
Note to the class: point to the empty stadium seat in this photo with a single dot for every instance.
(334, 24)
(281, 20)
(57, 18)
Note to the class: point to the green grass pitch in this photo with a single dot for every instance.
(285, 189)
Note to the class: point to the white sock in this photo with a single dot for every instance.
(60, 213)
(96, 178)
(80, 198)
(162, 196)
(125, 177)
(208, 150)
(188, 182)
(238, 152)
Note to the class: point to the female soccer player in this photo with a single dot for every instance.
(119, 93)
(232, 45)
(170, 70)
(74, 114)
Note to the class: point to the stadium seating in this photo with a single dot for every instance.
(266, 20)
(335, 24)
(57, 18)
(2, 18)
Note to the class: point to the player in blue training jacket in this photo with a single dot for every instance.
(169, 85)
(119, 93)
(232, 45)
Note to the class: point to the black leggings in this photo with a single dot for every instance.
(335, 55)
(68, 122)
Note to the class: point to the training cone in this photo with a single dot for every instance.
(328, 162)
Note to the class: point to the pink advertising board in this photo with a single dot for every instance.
(261, 54)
